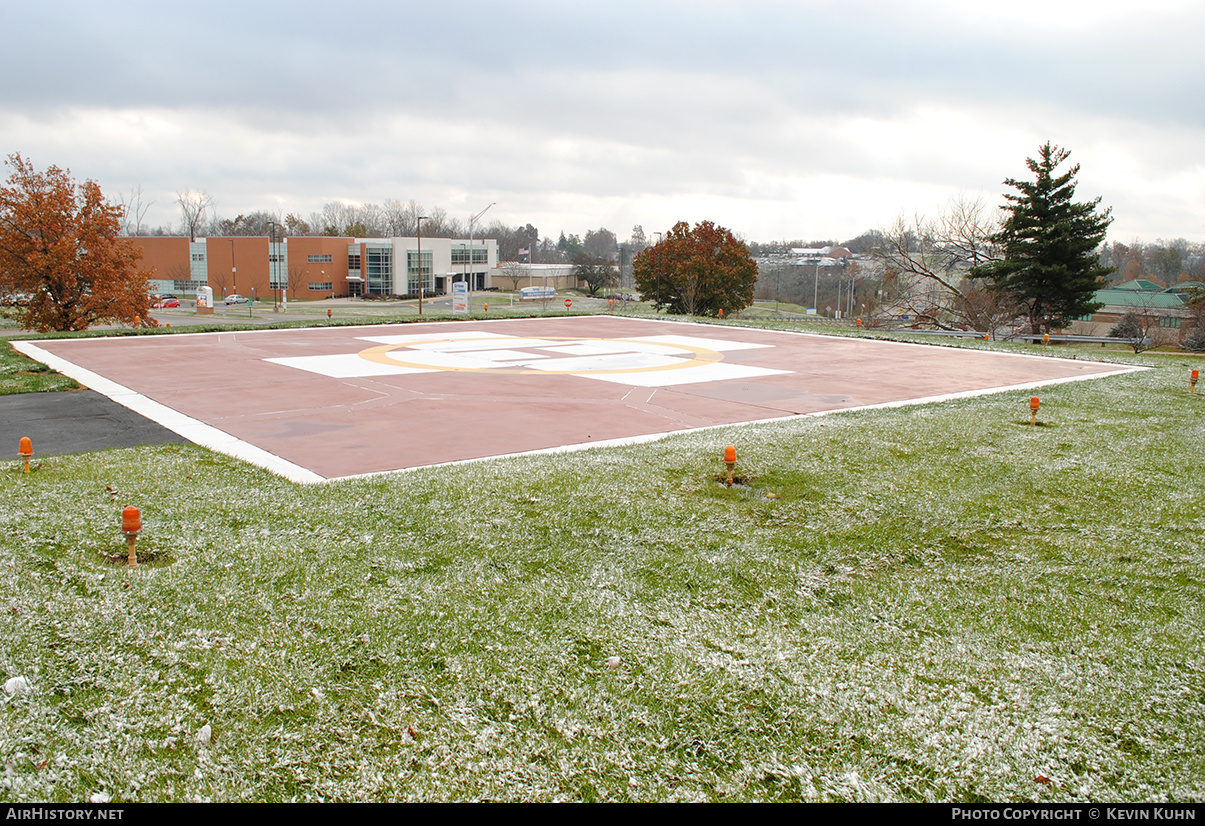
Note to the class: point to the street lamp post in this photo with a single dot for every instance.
(472, 222)
(421, 218)
(464, 261)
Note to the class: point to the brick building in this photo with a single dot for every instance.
(316, 267)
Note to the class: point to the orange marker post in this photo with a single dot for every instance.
(26, 450)
(131, 526)
(328, 313)
(859, 325)
(721, 313)
(1034, 404)
(1045, 339)
(1192, 384)
(487, 307)
(985, 338)
(730, 460)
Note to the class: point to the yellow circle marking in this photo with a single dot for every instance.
(380, 355)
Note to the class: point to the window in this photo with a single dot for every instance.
(413, 274)
(186, 286)
(318, 259)
(380, 270)
(460, 256)
(1167, 321)
(198, 256)
(353, 261)
(322, 286)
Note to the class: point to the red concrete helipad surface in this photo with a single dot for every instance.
(331, 402)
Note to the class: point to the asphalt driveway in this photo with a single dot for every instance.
(74, 421)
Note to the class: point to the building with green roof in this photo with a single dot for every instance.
(1162, 309)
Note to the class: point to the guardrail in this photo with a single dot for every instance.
(1032, 338)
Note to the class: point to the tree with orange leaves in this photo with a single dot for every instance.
(60, 244)
(698, 271)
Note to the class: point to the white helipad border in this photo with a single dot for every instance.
(218, 440)
(192, 429)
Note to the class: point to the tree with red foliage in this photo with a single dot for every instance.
(697, 271)
(60, 243)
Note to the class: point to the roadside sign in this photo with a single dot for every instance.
(568, 303)
(460, 298)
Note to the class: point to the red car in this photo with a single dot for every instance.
(167, 303)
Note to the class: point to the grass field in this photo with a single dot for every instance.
(19, 374)
(932, 603)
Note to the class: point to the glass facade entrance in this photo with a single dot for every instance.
(380, 270)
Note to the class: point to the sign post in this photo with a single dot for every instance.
(460, 298)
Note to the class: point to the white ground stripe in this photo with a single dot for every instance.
(718, 344)
(344, 366)
(195, 431)
(719, 371)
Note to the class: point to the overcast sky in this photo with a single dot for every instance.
(777, 119)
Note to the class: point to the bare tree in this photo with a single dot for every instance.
(178, 273)
(927, 261)
(133, 211)
(193, 206)
(219, 279)
(336, 216)
(295, 277)
(516, 272)
(1141, 328)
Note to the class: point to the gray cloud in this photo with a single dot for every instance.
(760, 109)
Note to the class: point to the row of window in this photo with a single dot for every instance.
(322, 286)
(460, 255)
(319, 259)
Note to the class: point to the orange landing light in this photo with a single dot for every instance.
(131, 520)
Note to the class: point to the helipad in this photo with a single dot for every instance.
(331, 402)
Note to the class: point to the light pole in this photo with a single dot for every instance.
(421, 218)
(473, 221)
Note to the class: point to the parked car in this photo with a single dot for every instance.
(235, 298)
(167, 303)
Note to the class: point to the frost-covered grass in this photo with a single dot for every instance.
(935, 603)
(19, 374)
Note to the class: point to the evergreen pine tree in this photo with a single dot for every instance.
(1050, 263)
